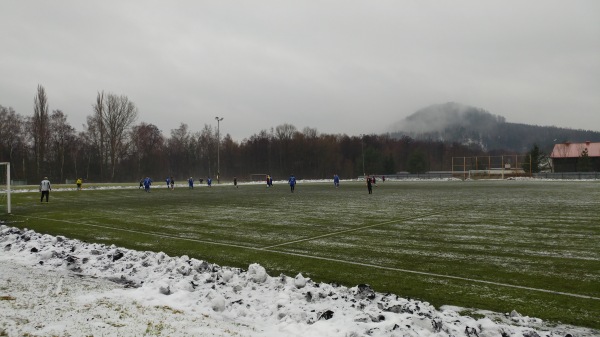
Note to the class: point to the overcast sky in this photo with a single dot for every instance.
(338, 66)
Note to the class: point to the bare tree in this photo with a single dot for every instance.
(98, 132)
(113, 117)
(62, 136)
(284, 134)
(11, 132)
(285, 131)
(178, 150)
(121, 113)
(79, 152)
(147, 145)
(93, 140)
(310, 133)
(207, 145)
(39, 127)
(87, 146)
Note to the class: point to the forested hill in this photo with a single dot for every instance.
(467, 125)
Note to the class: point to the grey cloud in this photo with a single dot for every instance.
(340, 66)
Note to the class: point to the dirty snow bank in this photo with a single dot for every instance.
(57, 286)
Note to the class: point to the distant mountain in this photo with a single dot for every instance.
(467, 125)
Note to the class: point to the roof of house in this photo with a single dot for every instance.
(573, 150)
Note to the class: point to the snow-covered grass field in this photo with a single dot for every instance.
(528, 246)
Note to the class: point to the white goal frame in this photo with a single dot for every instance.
(482, 167)
(8, 210)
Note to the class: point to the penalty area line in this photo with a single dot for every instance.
(355, 229)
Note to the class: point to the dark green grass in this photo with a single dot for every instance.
(542, 235)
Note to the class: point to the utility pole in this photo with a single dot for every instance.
(219, 119)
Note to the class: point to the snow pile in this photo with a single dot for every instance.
(56, 286)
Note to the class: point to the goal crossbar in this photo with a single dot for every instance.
(7, 185)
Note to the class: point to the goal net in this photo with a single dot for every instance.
(5, 188)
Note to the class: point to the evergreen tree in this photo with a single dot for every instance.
(389, 166)
(417, 162)
(536, 157)
(584, 163)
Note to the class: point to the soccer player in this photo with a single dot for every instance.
(147, 183)
(191, 183)
(369, 185)
(336, 180)
(45, 189)
(79, 182)
(292, 182)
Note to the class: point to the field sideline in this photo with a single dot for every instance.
(531, 246)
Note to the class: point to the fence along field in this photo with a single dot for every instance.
(530, 246)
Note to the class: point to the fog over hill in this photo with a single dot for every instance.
(468, 125)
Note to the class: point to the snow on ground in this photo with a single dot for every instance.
(54, 286)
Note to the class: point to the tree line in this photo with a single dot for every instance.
(113, 147)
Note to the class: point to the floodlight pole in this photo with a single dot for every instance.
(219, 119)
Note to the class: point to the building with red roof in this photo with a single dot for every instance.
(569, 157)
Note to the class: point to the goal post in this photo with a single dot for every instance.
(7, 166)
(491, 167)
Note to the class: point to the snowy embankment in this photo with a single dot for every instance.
(54, 286)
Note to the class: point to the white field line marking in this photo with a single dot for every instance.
(332, 260)
(353, 229)
(143, 232)
(437, 275)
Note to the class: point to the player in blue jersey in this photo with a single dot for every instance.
(147, 183)
(292, 182)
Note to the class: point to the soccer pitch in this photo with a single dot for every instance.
(531, 246)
